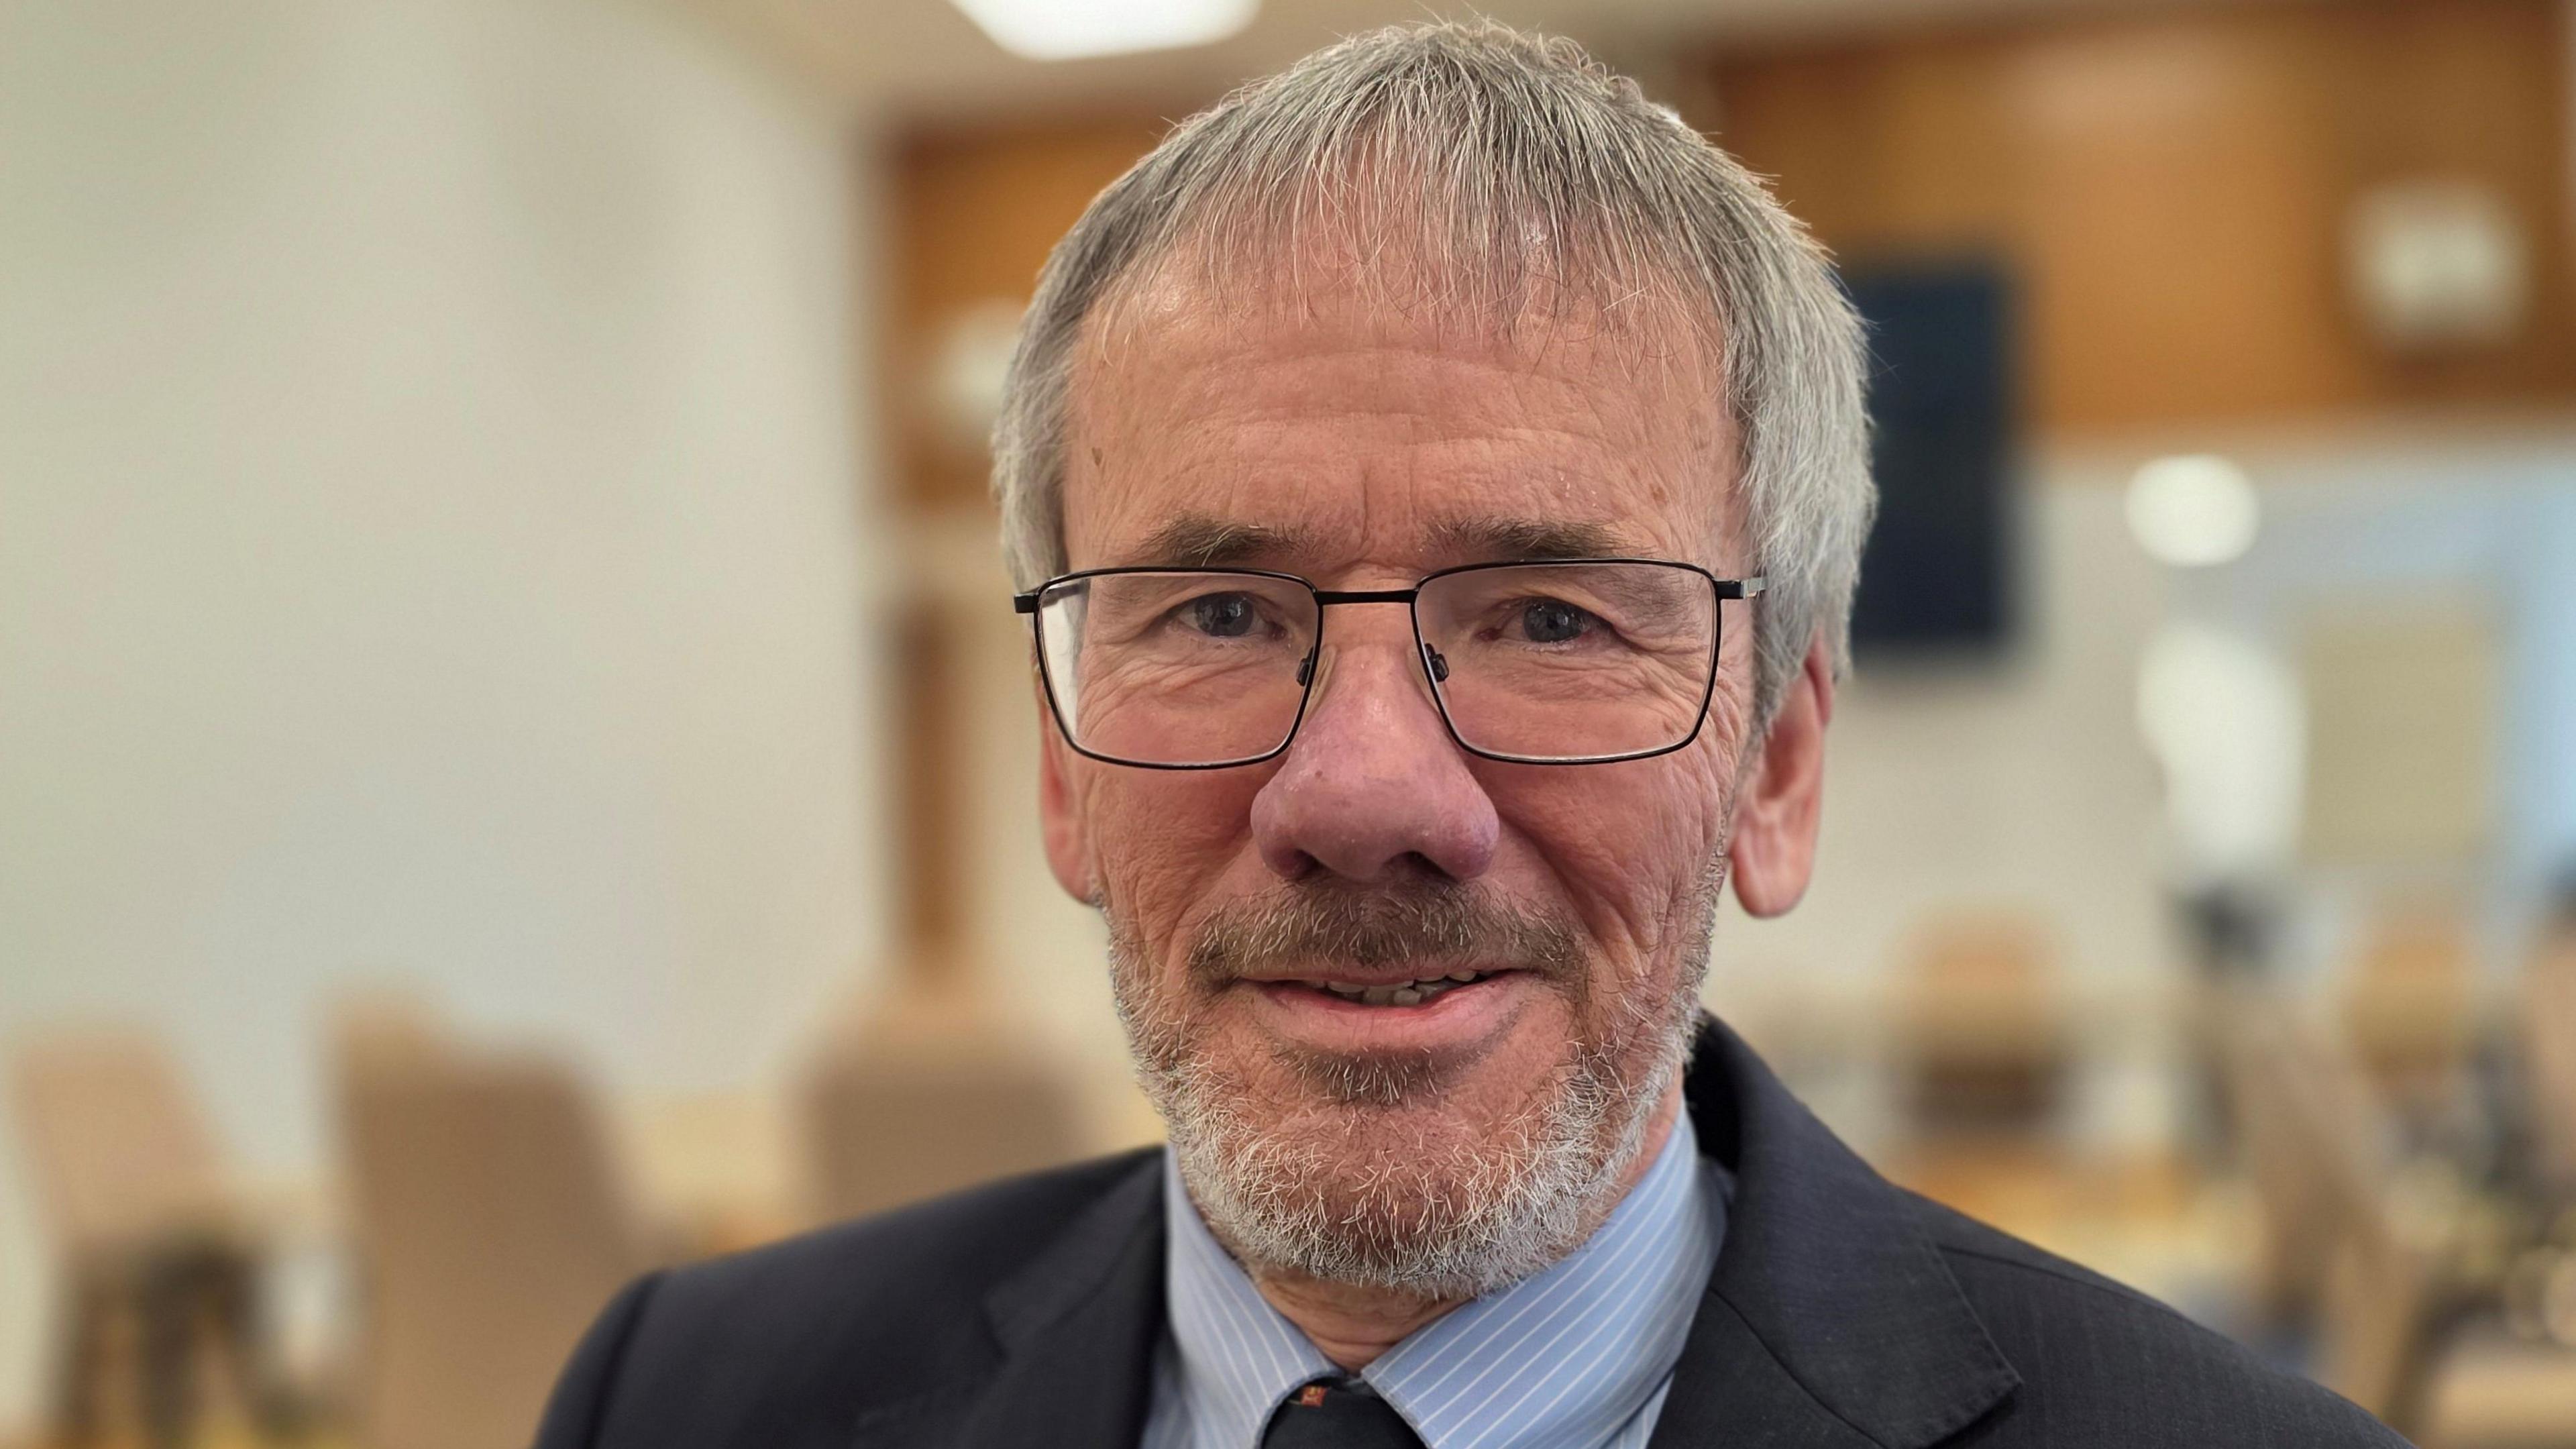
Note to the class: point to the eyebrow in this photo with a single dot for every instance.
(1197, 541)
(1514, 540)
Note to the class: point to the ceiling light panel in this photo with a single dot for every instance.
(1073, 29)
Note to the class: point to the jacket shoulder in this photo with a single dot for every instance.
(2102, 1363)
(786, 1344)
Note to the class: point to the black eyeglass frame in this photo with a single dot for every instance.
(1433, 668)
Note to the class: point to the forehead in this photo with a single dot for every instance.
(1335, 425)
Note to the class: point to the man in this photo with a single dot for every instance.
(1438, 476)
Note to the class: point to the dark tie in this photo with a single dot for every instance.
(1337, 1414)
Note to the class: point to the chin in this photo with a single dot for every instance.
(1392, 1174)
(1383, 1209)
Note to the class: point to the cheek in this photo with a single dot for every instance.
(1164, 838)
(1630, 843)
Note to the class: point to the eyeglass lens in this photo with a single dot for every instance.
(1538, 662)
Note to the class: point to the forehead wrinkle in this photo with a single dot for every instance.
(1639, 321)
(1586, 366)
(1199, 343)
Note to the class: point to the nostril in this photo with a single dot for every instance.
(1413, 865)
(1289, 863)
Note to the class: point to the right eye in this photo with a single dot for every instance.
(1222, 616)
(1553, 621)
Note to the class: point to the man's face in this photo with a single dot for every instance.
(1338, 440)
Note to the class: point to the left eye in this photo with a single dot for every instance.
(1223, 616)
(1553, 621)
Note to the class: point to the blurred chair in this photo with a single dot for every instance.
(385, 1027)
(2287, 1143)
(716, 1169)
(491, 1229)
(2548, 1030)
(146, 1230)
(2391, 1251)
(1979, 1028)
(2342, 1232)
(2410, 1007)
(932, 1094)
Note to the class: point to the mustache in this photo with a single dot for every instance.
(1426, 923)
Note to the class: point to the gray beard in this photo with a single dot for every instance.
(1350, 1202)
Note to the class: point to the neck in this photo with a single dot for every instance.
(1352, 1325)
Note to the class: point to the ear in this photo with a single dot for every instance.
(1778, 809)
(1068, 841)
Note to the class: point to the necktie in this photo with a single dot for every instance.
(1337, 1414)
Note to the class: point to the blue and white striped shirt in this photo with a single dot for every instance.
(1578, 1356)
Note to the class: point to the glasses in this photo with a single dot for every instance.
(1567, 662)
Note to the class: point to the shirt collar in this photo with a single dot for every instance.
(1563, 1357)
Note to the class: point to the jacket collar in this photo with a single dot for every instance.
(1078, 1328)
(1830, 1318)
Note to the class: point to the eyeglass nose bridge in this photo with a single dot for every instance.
(1434, 663)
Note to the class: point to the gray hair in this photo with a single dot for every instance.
(1526, 171)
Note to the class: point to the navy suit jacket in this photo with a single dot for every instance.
(1843, 1313)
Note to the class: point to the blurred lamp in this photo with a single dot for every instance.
(1072, 29)
(2227, 721)
(2438, 265)
(2193, 510)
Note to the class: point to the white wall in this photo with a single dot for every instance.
(2019, 785)
(431, 545)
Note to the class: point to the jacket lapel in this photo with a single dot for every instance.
(1078, 1329)
(1830, 1322)
(1830, 1319)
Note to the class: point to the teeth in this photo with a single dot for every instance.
(1404, 993)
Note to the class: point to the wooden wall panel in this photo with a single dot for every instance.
(2178, 220)
(2172, 190)
(975, 213)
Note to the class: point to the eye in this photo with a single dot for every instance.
(1553, 621)
(1222, 616)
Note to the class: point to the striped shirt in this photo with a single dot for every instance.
(1578, 1356)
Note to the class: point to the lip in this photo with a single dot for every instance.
(1457, 1019)
(1366, 976)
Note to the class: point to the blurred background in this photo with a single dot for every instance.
(515, 758)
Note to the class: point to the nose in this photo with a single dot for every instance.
(1373, 785)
